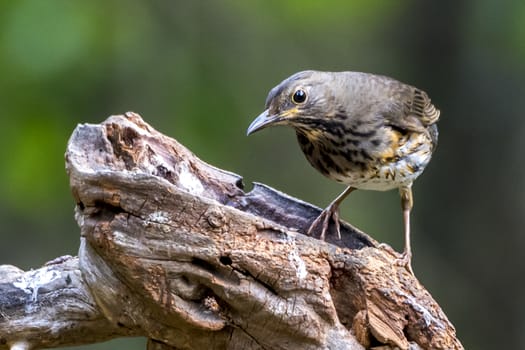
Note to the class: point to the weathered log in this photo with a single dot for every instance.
(173, 249)
(50, 307)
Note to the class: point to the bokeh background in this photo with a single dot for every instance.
(200, 71)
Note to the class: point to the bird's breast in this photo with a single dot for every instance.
(383, 161)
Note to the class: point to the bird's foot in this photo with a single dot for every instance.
(405, 261)
(331, 212)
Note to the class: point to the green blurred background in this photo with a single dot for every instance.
(200, 71)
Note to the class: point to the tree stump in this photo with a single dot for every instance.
(174, 250)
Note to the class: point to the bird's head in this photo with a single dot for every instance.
(299, 101)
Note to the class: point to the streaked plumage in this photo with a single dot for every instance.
(366, 131)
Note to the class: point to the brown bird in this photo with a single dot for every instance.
(366, 131)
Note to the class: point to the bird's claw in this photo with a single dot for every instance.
(403, 260)
(330, 212)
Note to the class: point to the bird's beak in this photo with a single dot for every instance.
(264, 120)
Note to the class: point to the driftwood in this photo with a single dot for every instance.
(174, 250)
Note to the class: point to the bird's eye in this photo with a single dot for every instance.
(299, 96)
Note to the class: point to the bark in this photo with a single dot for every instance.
(173, 249)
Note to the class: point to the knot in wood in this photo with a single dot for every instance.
(215, 217)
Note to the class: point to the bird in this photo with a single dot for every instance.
(366, 131)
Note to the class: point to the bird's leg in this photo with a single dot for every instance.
(332, 211)
(407, 203)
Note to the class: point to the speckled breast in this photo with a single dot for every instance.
(367, 165)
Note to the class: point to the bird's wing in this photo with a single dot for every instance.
(412, 111)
